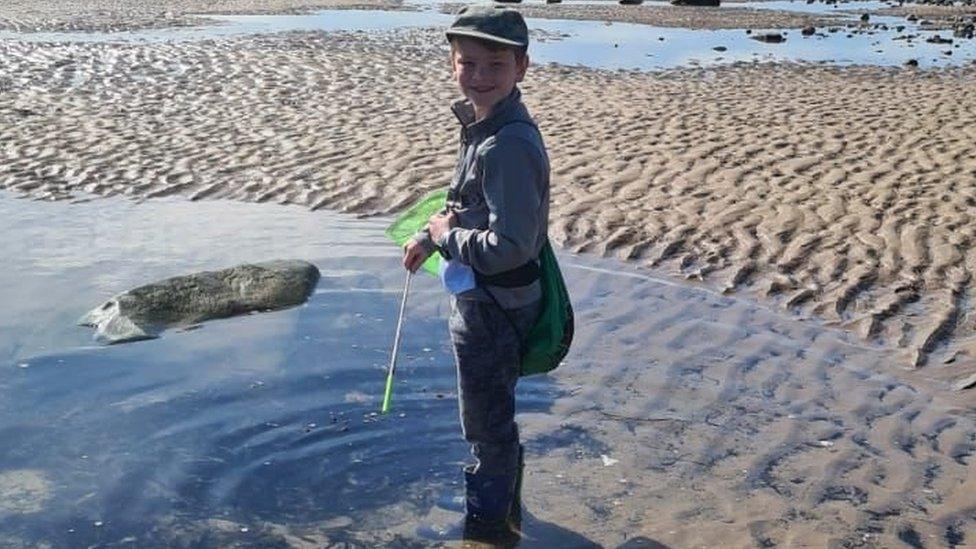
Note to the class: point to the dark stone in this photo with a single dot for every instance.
(938, 40)
(911, 63)
(720, 48)
(964, 31)
(144, 312)
(808, 31)
(631, 2)
(697, 3)
(865, 17)
(554, 1)
(770, 37)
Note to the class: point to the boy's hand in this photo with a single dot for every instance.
(414, 255)
(439, 224)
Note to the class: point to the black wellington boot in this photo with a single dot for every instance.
(488, 508)
(488, 511)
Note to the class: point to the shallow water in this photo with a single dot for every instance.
(598, 44)
(259, 431)
(267, 418)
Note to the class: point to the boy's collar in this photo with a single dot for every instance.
(464, 111)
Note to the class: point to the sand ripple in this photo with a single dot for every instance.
(846, 194)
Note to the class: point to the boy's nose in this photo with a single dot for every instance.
(482, 73)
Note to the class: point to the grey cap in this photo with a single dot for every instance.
(503, 26)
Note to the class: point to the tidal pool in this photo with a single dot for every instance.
(242, 424)
(263, 431)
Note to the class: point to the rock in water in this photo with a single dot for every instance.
(144, 312)
(769, 37)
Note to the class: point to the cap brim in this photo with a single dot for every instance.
(483, 36)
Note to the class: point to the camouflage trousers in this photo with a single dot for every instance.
(486, 349)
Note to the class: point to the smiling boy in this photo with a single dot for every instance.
(491, 232)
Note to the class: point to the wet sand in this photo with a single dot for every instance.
(735, 428)
(809, 405)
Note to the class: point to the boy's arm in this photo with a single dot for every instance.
(514, 172)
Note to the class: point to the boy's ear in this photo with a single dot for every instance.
(450, 63)
(522, 65)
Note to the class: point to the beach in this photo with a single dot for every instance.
(788, 363)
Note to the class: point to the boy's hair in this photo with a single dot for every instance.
(519, 51)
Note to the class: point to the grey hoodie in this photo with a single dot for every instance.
(500, 196)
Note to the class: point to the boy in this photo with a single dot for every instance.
(491, 231)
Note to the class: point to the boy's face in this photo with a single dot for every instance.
(484, 76)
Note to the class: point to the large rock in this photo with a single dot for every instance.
(144, 312)
(700, 3)
(769, 37)
(938, 40)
